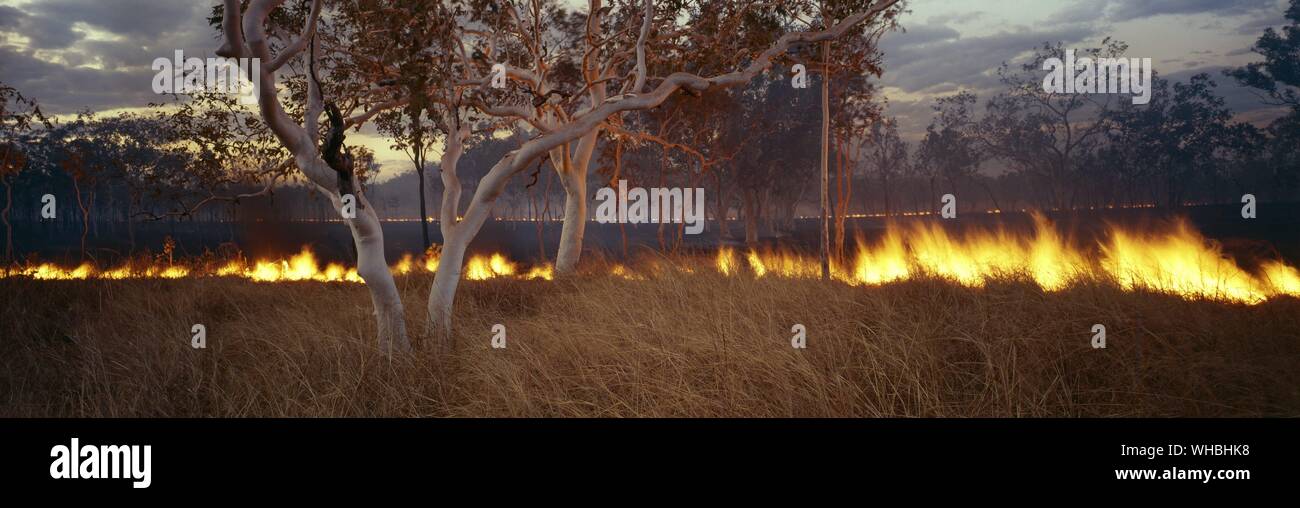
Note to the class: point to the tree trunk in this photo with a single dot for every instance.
(934, 198)
(94, 225)
(85, 217)
(443, 293)
(826, 129)
(418, 159)
(992, 197)
(368, 238)
(750, 209)
(843, 196)
(575, 182)
(455, 237)
(8, 228)
(724, 230)
(574, 179)
(130, 222)
(424, 212)
(884, 189)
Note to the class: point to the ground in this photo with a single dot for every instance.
(672, 344)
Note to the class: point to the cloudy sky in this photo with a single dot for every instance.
(79, 54)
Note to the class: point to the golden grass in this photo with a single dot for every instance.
(671, 344)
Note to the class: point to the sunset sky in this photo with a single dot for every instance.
(95, 54)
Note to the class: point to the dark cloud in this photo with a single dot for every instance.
(42, 32)
(1136, 9)
(928, 33)
(936, 61)
(10, 17)
(140, 18)
(63, 89)
(1082, 12)
(1266, 20)
(956, 18)
(75, 72)
(119, 54)
(921, 64)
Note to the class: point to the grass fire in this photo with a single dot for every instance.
(1176, 260)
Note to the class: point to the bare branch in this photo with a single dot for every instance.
(640, 47)
(300, 44)
(234, 44)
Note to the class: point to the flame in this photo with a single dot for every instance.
(887, 263)
(1177, 260)
(619, 270)
(1284, 278)
(404, 265)
(1181, 262)
(480, 268)
(726, 261)
(544, 272)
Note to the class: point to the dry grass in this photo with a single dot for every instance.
(674, 345)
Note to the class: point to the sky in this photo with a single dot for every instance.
(96, 54)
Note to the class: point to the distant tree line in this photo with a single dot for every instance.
(754, 149)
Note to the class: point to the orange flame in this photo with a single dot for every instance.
(1178, 261)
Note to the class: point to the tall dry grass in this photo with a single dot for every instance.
(674, 344)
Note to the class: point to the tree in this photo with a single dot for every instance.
(773, 180)
(857, 62)
(1043, 133)
(1175, 139)
(302, 141)
(556, 127)
(84, 164)
(20, 118)
(950, 151)
(560, 128)
(207, 149)
(887, 155)
(1278, 76)
(402, 40)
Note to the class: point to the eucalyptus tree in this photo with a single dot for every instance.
(1043, 132)
(1276, 79)
(21, 122)
(1177, 139)
(615, 48)
(886, 155)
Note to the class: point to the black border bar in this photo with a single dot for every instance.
(236, 455)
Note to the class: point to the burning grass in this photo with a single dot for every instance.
(666, 339)
(1175, 259)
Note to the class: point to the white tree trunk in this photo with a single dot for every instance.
(443, 293)
(574, 180)
(573, 174)
(301, 141)
(454, 240)
(368, 237)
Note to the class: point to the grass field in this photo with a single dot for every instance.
(675, 344)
